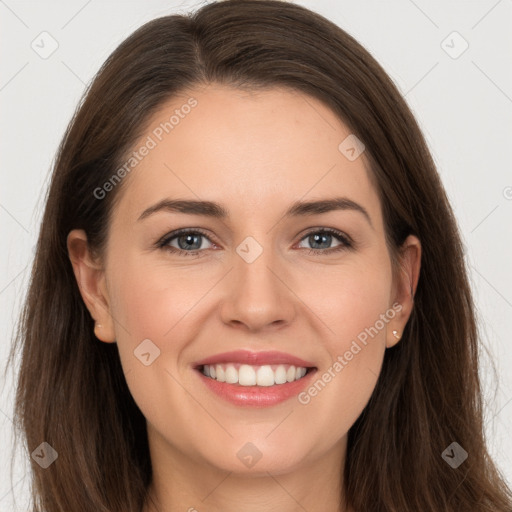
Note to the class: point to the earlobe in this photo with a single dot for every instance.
(90, 277)
(393, 338)
(100, 333)
(405, 288)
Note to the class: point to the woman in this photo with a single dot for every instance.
(260, 370)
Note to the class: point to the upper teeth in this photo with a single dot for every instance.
(247, 375)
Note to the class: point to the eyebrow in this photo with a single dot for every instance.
(216, 210)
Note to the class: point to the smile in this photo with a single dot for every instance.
(249, 375)
(254, 379)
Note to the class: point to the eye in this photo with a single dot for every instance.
(187, 242)
(324, 237)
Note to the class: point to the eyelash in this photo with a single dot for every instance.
(346, 242)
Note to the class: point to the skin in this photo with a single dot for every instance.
(255, 153)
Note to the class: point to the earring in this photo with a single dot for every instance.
(96, 326)
(396, 335)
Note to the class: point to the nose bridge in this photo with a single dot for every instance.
(257, 296)
(253, 263)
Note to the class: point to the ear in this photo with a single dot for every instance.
(90, 277)
(405, 286)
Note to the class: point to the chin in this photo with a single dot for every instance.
(258, 458)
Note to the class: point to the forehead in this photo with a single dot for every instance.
(249, 150)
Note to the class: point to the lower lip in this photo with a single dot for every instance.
(257, 396)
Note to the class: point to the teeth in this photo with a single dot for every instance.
(220, 373)
(247, 375)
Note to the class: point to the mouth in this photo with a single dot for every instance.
(258, 379)
(251, 375)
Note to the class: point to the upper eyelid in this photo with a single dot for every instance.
(184, 231)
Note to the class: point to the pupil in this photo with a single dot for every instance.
(317, 237)
(189, 240)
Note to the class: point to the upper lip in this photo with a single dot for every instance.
(255, 359)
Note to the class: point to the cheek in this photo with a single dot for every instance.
(355, 307)
(150, 300)
(150, 311)
(155, 311)
(350, 299)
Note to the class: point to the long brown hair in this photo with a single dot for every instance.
(71, 390)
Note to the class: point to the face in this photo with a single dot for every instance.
(278, 284)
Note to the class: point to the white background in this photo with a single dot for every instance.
(463, 105)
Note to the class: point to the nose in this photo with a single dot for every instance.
(259, 295)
